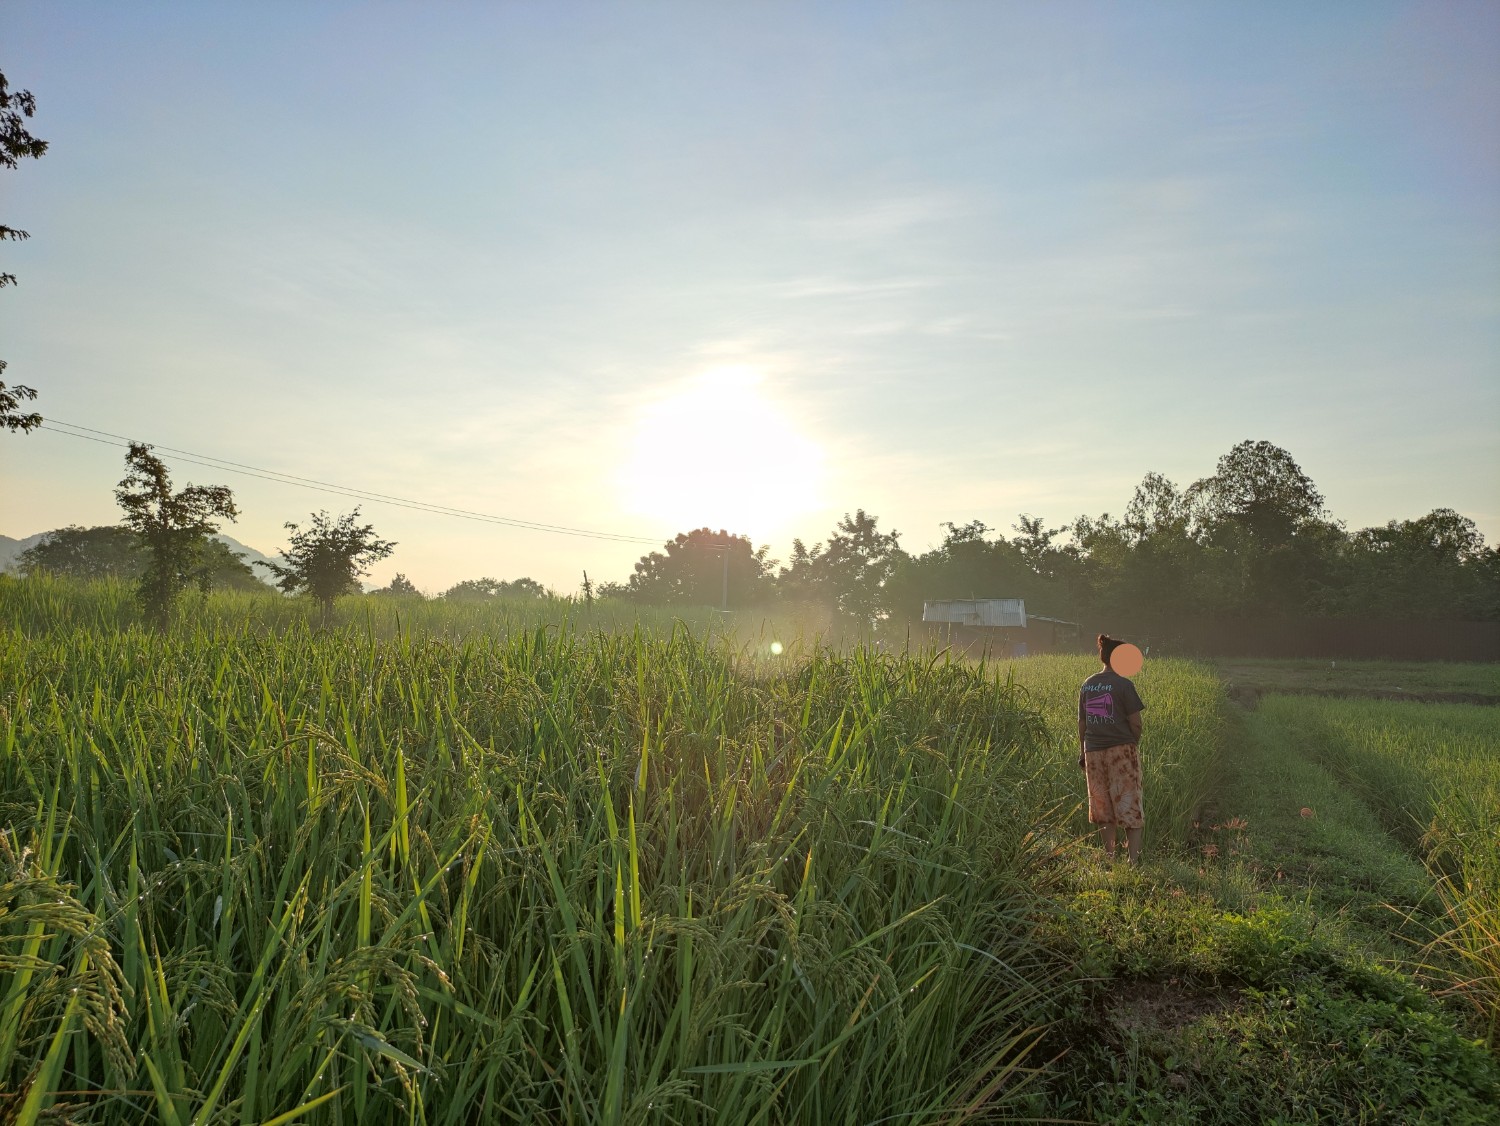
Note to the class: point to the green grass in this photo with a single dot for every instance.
(1431, 775)
(1262, 977)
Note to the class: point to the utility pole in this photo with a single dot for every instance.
(723, 550)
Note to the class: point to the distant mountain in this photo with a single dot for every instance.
(250, 554)
(11, 548)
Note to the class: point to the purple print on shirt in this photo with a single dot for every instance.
(1102, 705)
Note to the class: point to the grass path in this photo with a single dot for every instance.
(1264, 975)
(1313, 836)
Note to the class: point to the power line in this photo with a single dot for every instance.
(208, 461)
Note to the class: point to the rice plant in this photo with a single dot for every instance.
(567, 876)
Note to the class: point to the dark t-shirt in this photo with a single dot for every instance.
(1104, 701)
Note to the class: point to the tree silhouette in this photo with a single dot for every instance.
(691, 570)
(106, 552)
(172, 527)
(328, 558)
(486, 588)
(400, 585)
(1259, 488)
(113, 551)
(16, 144)
(11, 398)
(850, 574)
(472, 590)
(219, 567)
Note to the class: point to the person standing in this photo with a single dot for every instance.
(1109, 732)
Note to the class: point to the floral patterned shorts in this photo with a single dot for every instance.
(1114, 775)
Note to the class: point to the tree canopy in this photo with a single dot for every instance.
(850, 574)
(1254, 539)
(690, 570)
(327, 558)
(106, 552)
(113, 551)
(16, 144)
(400, 585)
(487, 588)
(172, 526)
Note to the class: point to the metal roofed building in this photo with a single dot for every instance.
(998, 625)
(997, 613)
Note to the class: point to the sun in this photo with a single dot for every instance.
(718, 452)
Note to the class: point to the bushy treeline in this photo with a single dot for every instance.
(1255, 538)
(113, 551)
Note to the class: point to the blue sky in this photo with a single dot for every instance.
(643, 267)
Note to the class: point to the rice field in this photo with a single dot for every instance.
(1431, 773)
(42, 604)
(559, 874)
(530, 862)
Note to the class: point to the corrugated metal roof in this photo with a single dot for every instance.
(995, 612)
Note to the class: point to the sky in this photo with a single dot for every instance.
(640, 268)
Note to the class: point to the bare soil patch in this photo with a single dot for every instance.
(1150, 1006)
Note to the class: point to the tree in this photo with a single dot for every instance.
(967, 564)
(523, 587)
(1436, 566)
(849, 574)
(220, 568)
(10, 407)
(690, 570)
(173, 528)
(328, 558)
(1146, 565)
(113, 551)
(1267, 532)
(487, 588)
(106, 552)
(1158, 508)
(1260, 488)
(16, 144)
(402, 586)
(1034, 542)
(473, 590)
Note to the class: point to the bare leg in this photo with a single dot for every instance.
(1133, 845)
(1107, 838)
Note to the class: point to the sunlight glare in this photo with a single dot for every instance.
(717, 452)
